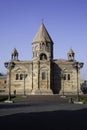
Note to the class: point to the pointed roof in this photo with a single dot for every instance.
(42, 35)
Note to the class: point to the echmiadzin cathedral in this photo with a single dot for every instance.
(43, 74)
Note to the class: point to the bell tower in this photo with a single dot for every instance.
(42, 45)
(71, 55)
(42, 55)
(14, 54)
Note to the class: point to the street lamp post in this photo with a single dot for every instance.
(24, 75)
(78, 66)
(9, 66)
(63, 78)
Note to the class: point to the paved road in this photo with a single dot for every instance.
(43, 116)
(9, 109)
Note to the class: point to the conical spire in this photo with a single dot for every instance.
(42, 35)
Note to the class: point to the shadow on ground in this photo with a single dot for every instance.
(56, 120)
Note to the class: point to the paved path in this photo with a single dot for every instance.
(9, 109)
(43, 116)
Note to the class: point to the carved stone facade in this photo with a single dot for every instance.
(43, 74)
(3, 83)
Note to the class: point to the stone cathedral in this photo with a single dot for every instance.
(43, 74)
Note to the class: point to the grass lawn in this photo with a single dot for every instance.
(19, 98)
(82, 98)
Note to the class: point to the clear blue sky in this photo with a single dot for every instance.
(65, 20)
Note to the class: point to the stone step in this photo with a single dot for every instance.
(45, 98)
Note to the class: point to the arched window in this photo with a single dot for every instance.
(64, 77)
(68, 76)
(17, 76)
(43, 57)
(48, 47)
(5, 81)
(43, 75)
(43, 46)
(40, 46)
(21, 76)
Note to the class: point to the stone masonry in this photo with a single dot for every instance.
(43, 74)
